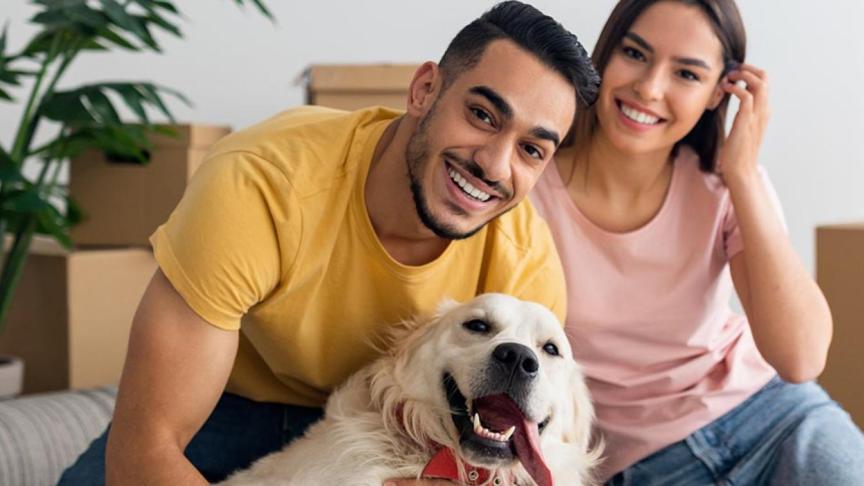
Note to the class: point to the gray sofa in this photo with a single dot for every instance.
(43, 434)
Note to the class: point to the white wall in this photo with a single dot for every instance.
(239, 68)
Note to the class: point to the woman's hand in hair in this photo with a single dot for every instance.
(739, 154)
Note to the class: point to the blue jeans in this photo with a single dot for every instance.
(236, 433)
(784, 434)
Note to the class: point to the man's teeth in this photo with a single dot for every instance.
(638, 116)
(488, 434)
(467, 188)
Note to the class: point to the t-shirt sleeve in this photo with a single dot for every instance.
(731, 232)
(546, 286)
(219, 248)
(537, 274)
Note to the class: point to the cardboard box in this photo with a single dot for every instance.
(350, 87)
(840, 274)
(125, 202)
(72, 312)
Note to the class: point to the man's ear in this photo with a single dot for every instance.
(423, 88)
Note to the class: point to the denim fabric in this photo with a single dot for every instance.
(785, 434)
(236, 433)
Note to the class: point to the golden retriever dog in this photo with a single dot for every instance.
(484, 393)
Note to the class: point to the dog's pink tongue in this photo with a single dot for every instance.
(499, 413)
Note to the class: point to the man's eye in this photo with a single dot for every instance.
(482, 116)
(534, 152)
(477, 325)
(633, 53)
(551, 349)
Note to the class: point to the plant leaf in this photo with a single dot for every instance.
(24, 201)
(259, 5)
(74, 213)
(9, 170)
(101, 107)
(66, 107)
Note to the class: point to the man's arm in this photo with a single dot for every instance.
(176, 369)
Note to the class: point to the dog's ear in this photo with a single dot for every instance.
(578, 430)
(446, 305)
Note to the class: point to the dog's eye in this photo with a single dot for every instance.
(476, 325)
(551, 349)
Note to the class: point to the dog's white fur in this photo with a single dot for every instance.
(364, 439)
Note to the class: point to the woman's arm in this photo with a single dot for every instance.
(788, 314)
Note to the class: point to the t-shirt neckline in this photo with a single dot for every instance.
(561, 186)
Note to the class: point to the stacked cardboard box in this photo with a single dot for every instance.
(72, 312)
(125, 202)
(349, 87)
(840, 273)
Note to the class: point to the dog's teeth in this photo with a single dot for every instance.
(509, 433)
(477, 426)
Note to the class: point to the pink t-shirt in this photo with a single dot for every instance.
(649, 313)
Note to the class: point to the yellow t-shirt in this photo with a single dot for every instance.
(272, 237)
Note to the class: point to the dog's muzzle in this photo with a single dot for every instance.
(513, 368)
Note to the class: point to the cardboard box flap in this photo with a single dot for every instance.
(374, 78)
(842, 227)
(191, 136)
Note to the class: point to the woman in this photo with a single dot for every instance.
(657, 217)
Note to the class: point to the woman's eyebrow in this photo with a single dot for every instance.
(689, 61)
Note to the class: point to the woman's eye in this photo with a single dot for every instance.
(551, 349)
(633, 53)
(482, 116)
(688, 75)
(477, 325)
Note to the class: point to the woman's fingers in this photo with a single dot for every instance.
(744, 96)
(753, 92)
(755, 83)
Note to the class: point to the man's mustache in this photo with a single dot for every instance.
(475, 170)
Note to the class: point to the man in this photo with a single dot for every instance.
(300, 239)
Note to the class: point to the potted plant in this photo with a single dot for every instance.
(78, 119)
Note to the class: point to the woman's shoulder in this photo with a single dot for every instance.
(688, 168)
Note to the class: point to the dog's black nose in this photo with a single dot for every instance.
(517, 358)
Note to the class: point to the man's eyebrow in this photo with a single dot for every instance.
(689, 61)
(546, 134)
(507, 112)
(494, 98)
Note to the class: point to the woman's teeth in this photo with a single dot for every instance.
(467, 188)
(638, 116)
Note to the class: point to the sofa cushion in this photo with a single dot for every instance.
(43, 434)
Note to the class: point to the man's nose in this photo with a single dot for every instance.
(495, 157)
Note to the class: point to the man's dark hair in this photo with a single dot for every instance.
(531, 30)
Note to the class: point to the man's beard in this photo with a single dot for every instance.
(416, 156)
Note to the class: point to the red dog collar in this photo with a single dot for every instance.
(443, 466)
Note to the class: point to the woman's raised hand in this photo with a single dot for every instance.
(739, 154)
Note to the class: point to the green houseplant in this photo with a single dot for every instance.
(85, 117)
(71, 121)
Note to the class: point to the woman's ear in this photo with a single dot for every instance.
(423, 88)
(718, 94)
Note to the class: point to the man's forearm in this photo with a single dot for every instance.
(156, 466)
